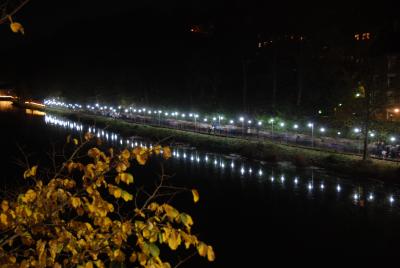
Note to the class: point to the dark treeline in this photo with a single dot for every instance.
(141, 54)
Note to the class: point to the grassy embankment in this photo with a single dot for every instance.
(351, 165)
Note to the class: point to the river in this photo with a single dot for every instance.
(250, 211)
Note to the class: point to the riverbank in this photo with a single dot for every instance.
(351, 165)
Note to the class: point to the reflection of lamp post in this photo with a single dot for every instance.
(311, 125)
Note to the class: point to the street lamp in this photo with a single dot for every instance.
(219, 119)
(282, 125)
(272, 127)
(357, 131)
(241, 119)
(159, 117)
(311, 125)
(195, 119)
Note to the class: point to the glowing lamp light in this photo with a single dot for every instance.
(397, 110)
(259, 123)
(282, 124)
(310, 124)
(205, 119)
(357, 130)
(322, 129)
(249, 122)
(392, 139)
(241, 119)
(214, 118)
(310, 186)
(339, 133)
(338, 188)
(295, 126)
(391, 199)
(231, 122)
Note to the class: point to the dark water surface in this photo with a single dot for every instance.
(251, 212)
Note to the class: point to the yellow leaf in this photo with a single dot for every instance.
(120, 167)
(118, 255)
(75, 141)
(142, 158)
(29, 196)
(125, 177)
(117, 193)
(68, 138)
(30, 172)
(171, 212)
(202, 249)
(3, 219)
(142, 258)
(94, 152)
(76, 202)
(126, 196)
(17, 27)
(125, 154)
(40, 249)
(133, 257)
(196, 196)
(210, 253)
(28, 211)
(166, 152)
(89, 264)
(174, 240)
(4, 205)
(186, 219)
(157, 149)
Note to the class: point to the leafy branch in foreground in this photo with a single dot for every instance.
(86, 216)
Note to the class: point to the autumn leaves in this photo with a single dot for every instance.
(75, 219)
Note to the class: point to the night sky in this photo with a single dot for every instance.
(145, 49)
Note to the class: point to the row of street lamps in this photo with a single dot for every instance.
(196, 116)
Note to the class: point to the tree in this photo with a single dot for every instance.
(86, 216)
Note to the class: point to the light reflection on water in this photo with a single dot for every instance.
(312, 185)
(6, 105)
